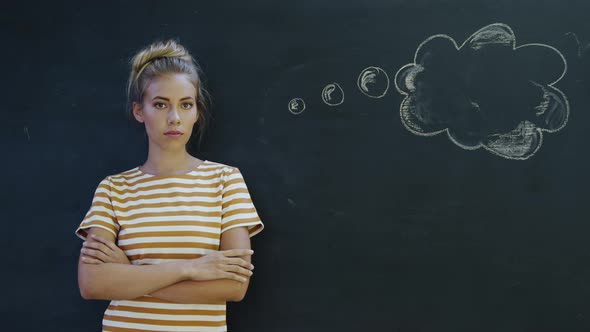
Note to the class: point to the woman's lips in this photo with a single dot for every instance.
(173, 133)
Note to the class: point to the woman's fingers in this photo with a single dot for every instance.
(95, 254)
(104, 250)
(227, 264)
(97, 246)
(90, 260)
(239, 270)
(234, 257)
(104, 241)
(239, 262)
(233, 276)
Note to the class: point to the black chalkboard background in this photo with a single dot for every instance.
(368, 226)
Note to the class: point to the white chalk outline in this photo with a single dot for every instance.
(458, 48)
(293, 100)
(363, 83)
(327, 92)
(578, 44)
(582, 46)
(520, 125)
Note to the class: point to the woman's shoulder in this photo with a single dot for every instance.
(217, 167)
(123, 176)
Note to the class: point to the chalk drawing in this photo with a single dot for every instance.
(291, 202)
(332, 94)
(296, 105)
(373, 82)
(582, 46)
(458, 90)
(578, 44)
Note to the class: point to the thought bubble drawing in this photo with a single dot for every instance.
(332, 94)
(296, 105)
(485, 93)
(373, 82)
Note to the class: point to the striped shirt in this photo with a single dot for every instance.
(161, 218)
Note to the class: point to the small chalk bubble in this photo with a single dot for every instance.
(291, 202)
(332, 94)
(373, 82)
(296, 106)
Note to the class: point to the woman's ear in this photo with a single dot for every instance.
(137, 112)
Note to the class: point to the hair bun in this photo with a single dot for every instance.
(158, 50)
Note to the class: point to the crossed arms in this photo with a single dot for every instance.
(104, 272)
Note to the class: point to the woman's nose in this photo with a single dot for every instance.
(173, 117)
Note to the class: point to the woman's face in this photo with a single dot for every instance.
(169, 111)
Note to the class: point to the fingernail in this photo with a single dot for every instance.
(93, 236)
(251, 267)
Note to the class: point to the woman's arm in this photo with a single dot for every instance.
(113, 281)
(221, 290)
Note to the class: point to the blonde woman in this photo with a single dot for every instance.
(168, 242)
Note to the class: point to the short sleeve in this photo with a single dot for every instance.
(237, 207)
(101, 213)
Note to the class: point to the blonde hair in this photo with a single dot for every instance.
(164, 58)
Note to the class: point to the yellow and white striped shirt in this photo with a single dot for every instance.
(160, 218)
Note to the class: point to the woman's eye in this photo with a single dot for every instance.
(187, 106)
(160, 105)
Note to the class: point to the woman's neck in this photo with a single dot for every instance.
(169, 162)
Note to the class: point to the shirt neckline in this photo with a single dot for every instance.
(194, 170)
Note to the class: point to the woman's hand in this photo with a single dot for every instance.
(225, 264)
(97, 250)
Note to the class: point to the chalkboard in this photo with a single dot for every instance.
(419, 165)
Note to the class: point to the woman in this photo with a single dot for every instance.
(181, 225)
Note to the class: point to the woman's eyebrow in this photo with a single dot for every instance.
(166, 99)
